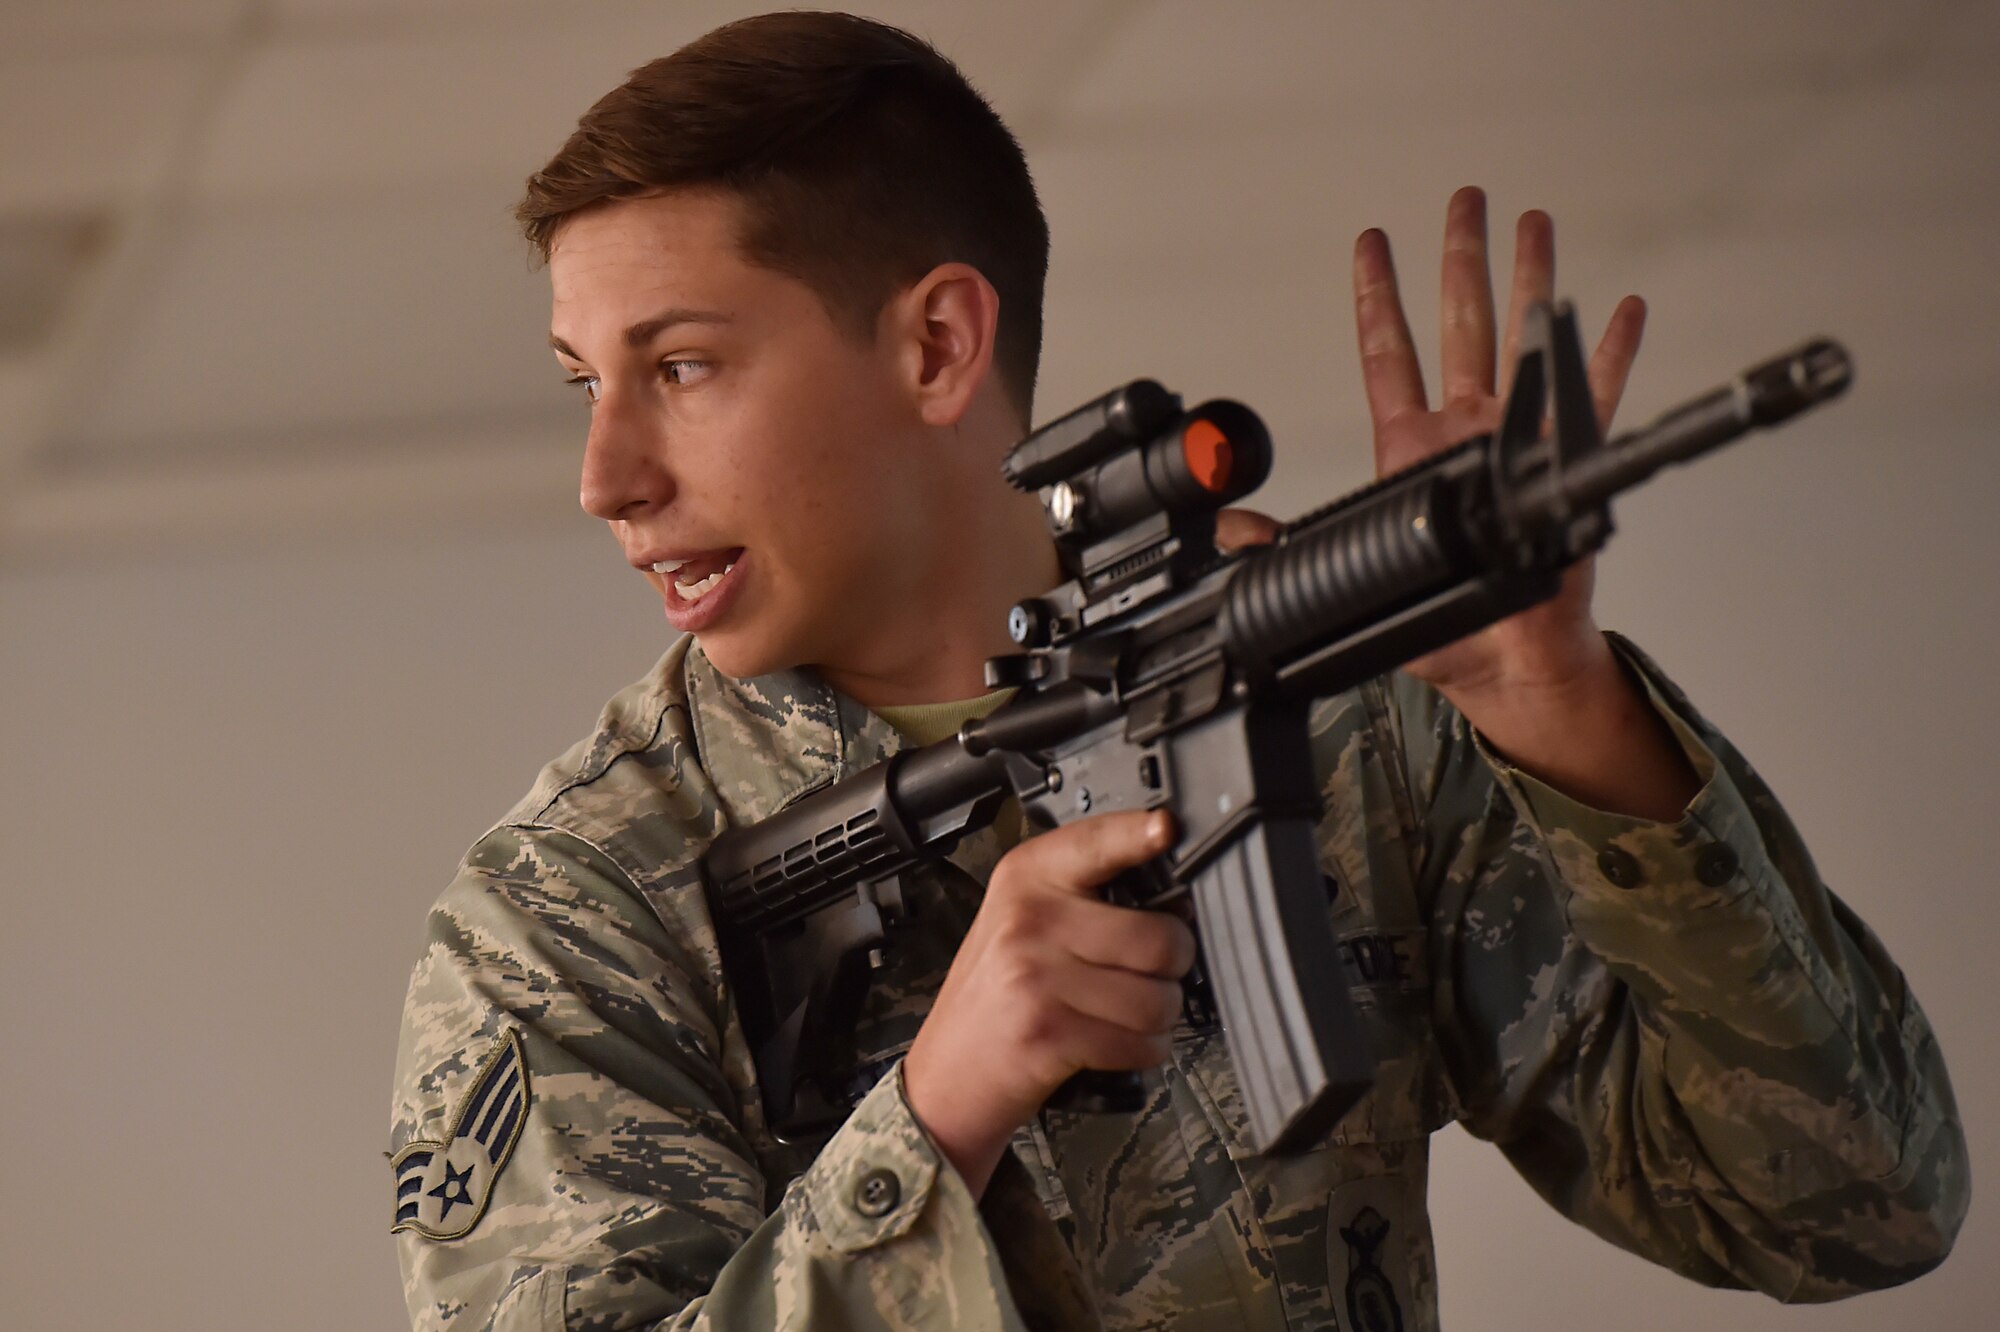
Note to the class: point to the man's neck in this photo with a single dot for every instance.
(989, 549)
(941, 663)
(936, 650)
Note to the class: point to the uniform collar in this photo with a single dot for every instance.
(770, 740)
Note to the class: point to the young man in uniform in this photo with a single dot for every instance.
(797, 272)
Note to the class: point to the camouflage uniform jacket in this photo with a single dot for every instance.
(1680, 1037)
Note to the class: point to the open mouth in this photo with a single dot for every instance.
(696, 578)
(697, 590)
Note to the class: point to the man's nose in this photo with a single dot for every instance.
(624, 470)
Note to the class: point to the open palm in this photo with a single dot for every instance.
(1543, 645)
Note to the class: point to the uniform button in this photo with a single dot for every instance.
(1619, 866)
(877, 1193)
(1716, 864)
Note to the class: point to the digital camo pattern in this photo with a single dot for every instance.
(1674, 1031)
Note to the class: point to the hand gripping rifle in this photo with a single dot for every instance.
(1166, 675)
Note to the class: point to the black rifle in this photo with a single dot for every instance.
(1166, 675)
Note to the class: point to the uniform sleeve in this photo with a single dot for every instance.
(627, 1195)
(1676, 1032)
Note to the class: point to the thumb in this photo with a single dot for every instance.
(1079, 859)
(1237, 528)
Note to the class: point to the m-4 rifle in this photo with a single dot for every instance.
(1164, 674)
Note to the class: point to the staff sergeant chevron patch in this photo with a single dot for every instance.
(442, 1187)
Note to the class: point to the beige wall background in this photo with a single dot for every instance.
(295, 598)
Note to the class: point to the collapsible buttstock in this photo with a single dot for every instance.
(1294, 1040)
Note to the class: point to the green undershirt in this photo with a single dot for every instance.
(928, 723)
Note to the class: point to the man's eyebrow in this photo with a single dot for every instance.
(646, 330)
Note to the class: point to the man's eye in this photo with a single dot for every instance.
(680, 373)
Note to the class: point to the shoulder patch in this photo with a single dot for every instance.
(442, 1187)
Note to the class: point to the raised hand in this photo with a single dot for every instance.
(1546, 645)
(1543, 687)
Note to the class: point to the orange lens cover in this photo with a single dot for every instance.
(1208, 454)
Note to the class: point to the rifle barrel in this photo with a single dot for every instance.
(1764, 395)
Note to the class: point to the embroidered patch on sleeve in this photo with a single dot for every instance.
(442, 1187)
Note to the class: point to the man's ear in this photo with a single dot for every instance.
(944, 327)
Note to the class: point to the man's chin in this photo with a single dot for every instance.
(742, 657)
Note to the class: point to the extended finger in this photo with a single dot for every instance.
(1122, 998)
(1611, 363)
(1466, 316)
(1389, 368)
(1079, 858)
(1237, 528)
(1534, 280)
(1091, 1042)
(1150, 943)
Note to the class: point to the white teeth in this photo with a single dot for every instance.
(667, 566)
(696, 590)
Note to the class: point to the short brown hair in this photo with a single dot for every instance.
(863, 156)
